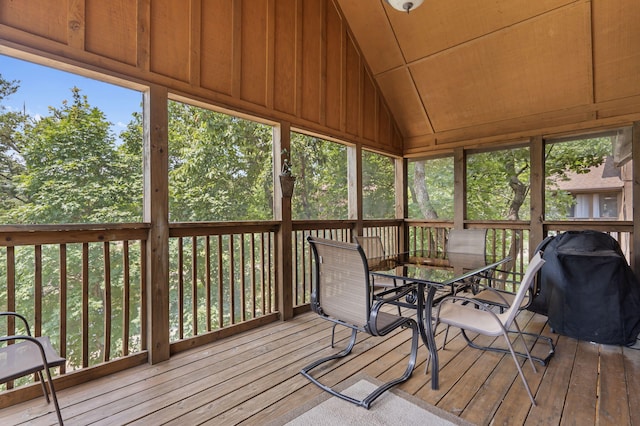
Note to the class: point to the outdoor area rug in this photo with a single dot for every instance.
(394, 408)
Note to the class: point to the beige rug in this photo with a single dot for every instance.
(393, 408)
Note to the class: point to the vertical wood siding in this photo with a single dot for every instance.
(287, 60)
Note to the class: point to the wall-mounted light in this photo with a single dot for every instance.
(404, 5)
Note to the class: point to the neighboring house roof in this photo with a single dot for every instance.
(603, 177)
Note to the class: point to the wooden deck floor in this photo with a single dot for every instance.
(254, 377)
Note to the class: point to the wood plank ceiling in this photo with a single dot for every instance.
(458, 70)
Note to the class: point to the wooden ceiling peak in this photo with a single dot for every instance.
(449, 66)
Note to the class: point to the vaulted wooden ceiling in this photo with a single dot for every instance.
(461, 69)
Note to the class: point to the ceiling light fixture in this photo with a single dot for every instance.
(404, 5)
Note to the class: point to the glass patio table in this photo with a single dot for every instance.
(429, 276)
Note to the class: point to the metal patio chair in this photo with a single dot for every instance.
(471, 315)
(29, 355)
(342, 295)
(373, 248)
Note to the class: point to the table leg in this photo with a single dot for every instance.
(433, 349)
(426, 328)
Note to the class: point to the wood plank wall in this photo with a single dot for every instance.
(282, 60)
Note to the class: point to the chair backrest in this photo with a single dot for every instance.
(341, 281)
(527, 281)
(466, 248)
(372, 246)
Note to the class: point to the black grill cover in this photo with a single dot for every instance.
(587, 289)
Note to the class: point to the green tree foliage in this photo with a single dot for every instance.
(378, 186)
(73, 172)
(431, 188)
(577, 156)
(67, 168)
(321, 188)
(498, 182)
(498, 185)
(220, 167)
(11, 163)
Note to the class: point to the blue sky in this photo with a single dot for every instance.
(41, 87)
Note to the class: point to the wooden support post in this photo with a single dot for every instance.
(460, 188)
(536, 230)
(354, 183)
(156, 212)
(402, 202)
(282, 210)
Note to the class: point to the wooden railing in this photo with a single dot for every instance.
(621, 231)
(511, 238)
(340, 230)
(221, 274)
(503, 238)
(302, 258)
(387, 230)
(82, 285)
(429, 236)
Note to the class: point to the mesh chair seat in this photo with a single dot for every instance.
(24, 358)
(503, 299)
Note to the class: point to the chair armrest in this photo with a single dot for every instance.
(15, 314)
(451, 299)
(380, 323)
(500, 295)
(497, 292)
(20, 337)
(396, 292)
(381, 295)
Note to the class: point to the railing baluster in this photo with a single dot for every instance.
(273, 248)
(220, 285)
(252, 281)
(243, 281)
(63, 303)
(181, 288)
(207, 279)
(263, 278)
(126, 298)
(296, 276)
(11, 294)
(85, 305)
(106, 353)
(38, 290)
(194, 284)
(143, 295)
(307, 275)
(232, 293)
